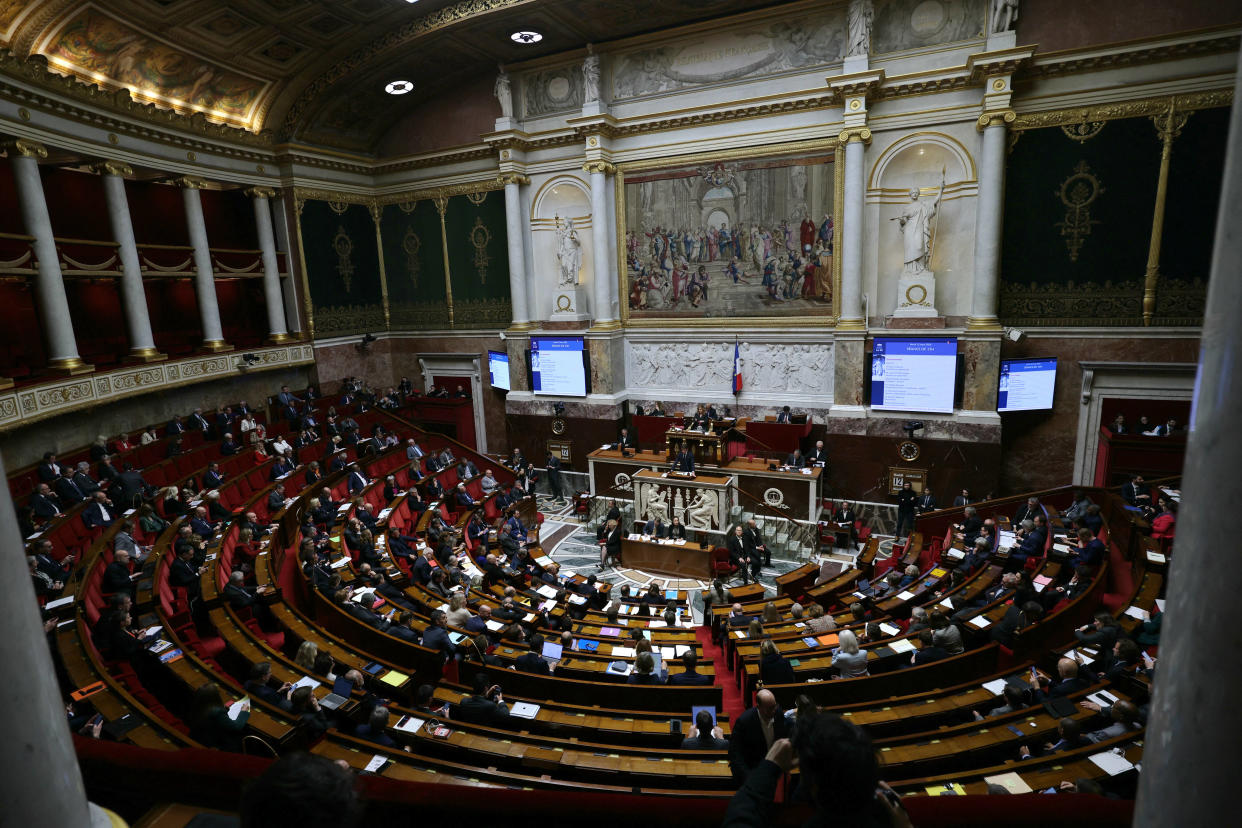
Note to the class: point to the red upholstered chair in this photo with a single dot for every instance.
(722, 566)
(862, 532)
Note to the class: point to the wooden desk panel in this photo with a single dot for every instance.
(686, 561)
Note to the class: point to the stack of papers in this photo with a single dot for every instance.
(377, 762)
(996, 687)
(980, 622)
(1103, 698)
(1111, 763)
(1010, 782)
(906, 595)
(409, 724)
(623, 652)
(901, 645)
(889, 629)
(305, 681)
(1137, 612)
(235, 709)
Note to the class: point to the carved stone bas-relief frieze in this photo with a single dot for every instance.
(708, 367)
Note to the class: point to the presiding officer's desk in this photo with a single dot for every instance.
(684, 559)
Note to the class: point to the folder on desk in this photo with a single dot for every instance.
(900, 645)
(810, 642)
(394, 679)
(586, 646)
(996, 686)
(979, 622)
(828, 640)
(612, 631)
(409, 724)
(1111, 763)
(1011, 782)
(947, 789)
(88, 690)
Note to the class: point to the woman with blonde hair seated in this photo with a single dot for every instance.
(850, 661)
(305, 658)
(818, 621)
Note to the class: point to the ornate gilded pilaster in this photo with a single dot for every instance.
(441, 203)
(376, 214)
(1168, 126)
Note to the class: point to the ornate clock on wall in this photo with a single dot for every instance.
(909, 450)
(558, 426)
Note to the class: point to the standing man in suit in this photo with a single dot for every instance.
(286, 401)
(754, 733)
(818, 455)
(784, 416)
(553, 466)
(845, 514)
(755, 545)
(926, 502)
(684, 461)
(129, 487)
(739, 556)
(905, 509)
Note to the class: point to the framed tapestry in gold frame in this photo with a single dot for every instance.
(718, 182)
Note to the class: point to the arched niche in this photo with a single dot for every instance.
(559, 198)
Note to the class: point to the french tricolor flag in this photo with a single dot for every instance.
(737, 370)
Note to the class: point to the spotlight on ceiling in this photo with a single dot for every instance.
(399, 87)
(526, 38)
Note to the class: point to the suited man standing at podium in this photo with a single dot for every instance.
(846, 515)
(684, 461)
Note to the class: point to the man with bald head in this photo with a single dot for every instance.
(754, 733)
(1068, 682)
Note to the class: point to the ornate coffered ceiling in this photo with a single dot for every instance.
(313, 71)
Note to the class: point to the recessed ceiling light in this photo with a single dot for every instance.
(526, 38)
(399, 87)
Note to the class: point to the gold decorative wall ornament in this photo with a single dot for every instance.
(507, 178)
(1084, 131)
(478, 198)
(1078, 192)
(344, 248)
(411, 244)
(261, 192)
(1003, 117)
(604, 167)
(1124, 109)
(480, 238)
(338, 207)
(117, 168)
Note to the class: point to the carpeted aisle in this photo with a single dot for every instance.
(734, 704)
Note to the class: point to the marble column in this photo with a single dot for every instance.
(42, 784)
(133, 295)
(261, 196)
(204, 273)
(62, 346)
(989, 211)
(1194, 721)
(605, 281)
(850, 312)
(517, 250)
(288, 287)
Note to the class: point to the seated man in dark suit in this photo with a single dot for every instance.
(99, 513)
(436, 636)
(364, 610)
(463, 498)
(703, 734)
(1068, 681)
(1091, 550)
(276, 498)
(655, 528)
(486, 706)
(260, 686)
(739, 556)
(796, 460)
(212, 478)
(691, 676)
(532, 660)
(117, 577)
(749, 743)
(83, 479)
(49, 469)
(67, 489)
(625, 442)
(43, 503)
(239, 595)
(1136, 492)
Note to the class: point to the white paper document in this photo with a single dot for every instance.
(980, 622)
(996, 686)
(900, 645)
(409, 724)
(377, 762)
(1111, 763)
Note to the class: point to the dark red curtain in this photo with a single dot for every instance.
(21, 344)
(243, 311)
(229, 216)
(174, 315)
(76, 204)
(157, 213)
(98, 320)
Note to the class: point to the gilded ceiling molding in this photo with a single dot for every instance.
(1055, 65)
(117, 168)
(301, 195)
(34, 71)
(473, 154)
(1144, 107)
(442, 193)
(429, 23)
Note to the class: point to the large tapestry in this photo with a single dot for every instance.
(478, 249)
(730, 238)
(1080, 199)
(342, 267)
(414, 265)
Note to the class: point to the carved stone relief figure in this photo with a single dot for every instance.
(504, 94)
(859, 18)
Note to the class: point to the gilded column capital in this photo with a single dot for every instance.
(261, 192)
(852, 134)
(25, 147)
(117, 168)
(190, 182)
(999, 117)
(507, 178)
(605, 167)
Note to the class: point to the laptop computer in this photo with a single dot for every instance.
(551, 652)
(341, 688)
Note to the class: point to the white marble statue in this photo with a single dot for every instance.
(590, 79)
(859, 17)
(1004, 16)
(701, 513)
(568, 253)
(504, 94)
(656, 504)
(916, 224)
